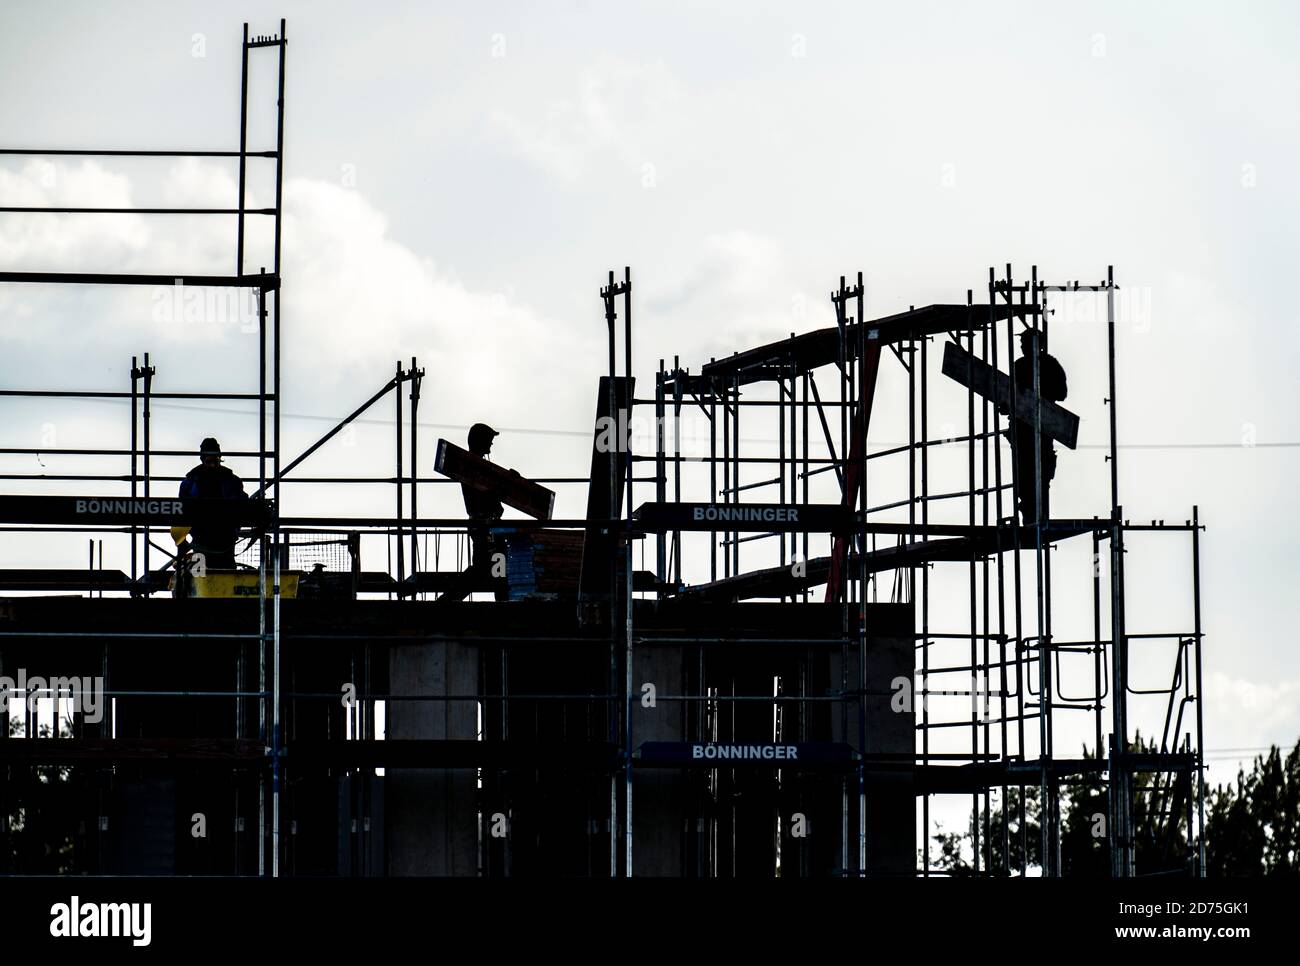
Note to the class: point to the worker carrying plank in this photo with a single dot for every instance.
(485, 487)
(1052, 387)
(483, 509)
(1028, 411)
(211, 541)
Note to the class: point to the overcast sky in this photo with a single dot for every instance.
(461, 177)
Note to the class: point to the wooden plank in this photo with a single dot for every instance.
(821, 347)
(867, 372)
(545, 562)
(769, 582)
(994, 385)
(599, 546)
(979, 541)
(63, 580)
(506, 485)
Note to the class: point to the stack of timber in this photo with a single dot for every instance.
(543, 564)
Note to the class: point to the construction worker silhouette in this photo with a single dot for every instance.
(1024, 441)
(483, 509)
(211, 536)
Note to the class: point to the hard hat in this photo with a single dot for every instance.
(480, 437)
(210, 447)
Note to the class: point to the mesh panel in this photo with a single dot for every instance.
(306, 550)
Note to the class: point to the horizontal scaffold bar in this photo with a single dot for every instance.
(265, 281)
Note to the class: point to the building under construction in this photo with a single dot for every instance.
(767, 648)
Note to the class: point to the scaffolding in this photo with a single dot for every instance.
(1013, 660)
(814, 674)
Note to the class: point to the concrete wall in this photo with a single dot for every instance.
(659, 807)
(430, 813)
(890, 795)
(890, 798)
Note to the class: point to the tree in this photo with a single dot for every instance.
(1252, 828)
(40, 811)
(1022, 839)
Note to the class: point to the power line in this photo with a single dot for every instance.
(579, 434)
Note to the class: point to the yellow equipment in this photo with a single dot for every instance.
(238, 583)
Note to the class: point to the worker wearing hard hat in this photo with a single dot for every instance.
(480, 505)
(1024, 441)
(213, 539)
(483, 509)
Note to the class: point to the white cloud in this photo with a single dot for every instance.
(1242, 717)
(52, 242)
(737, 292)
(1244, 710)
(356, 299)
(616, 112)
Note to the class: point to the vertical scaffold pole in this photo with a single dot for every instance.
(277, 689)
(135, 419)
(861, 615)
(1048, 817)
(626, 513)
(1121, 821)
(661, 475)
(147, 374)
(972, 573)
(1200, 725)
(1021, 652)
(677, 461)
(417, 375)
(243, 154)
(401, 535)
(261, 389)
(923, 687)
(610, 317)
(991, 339)
(279, 213)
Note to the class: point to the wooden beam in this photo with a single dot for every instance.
(63, 580)
(822, 347)
(869, 367)
(599, 545)
(506, 485)
(994, 385)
